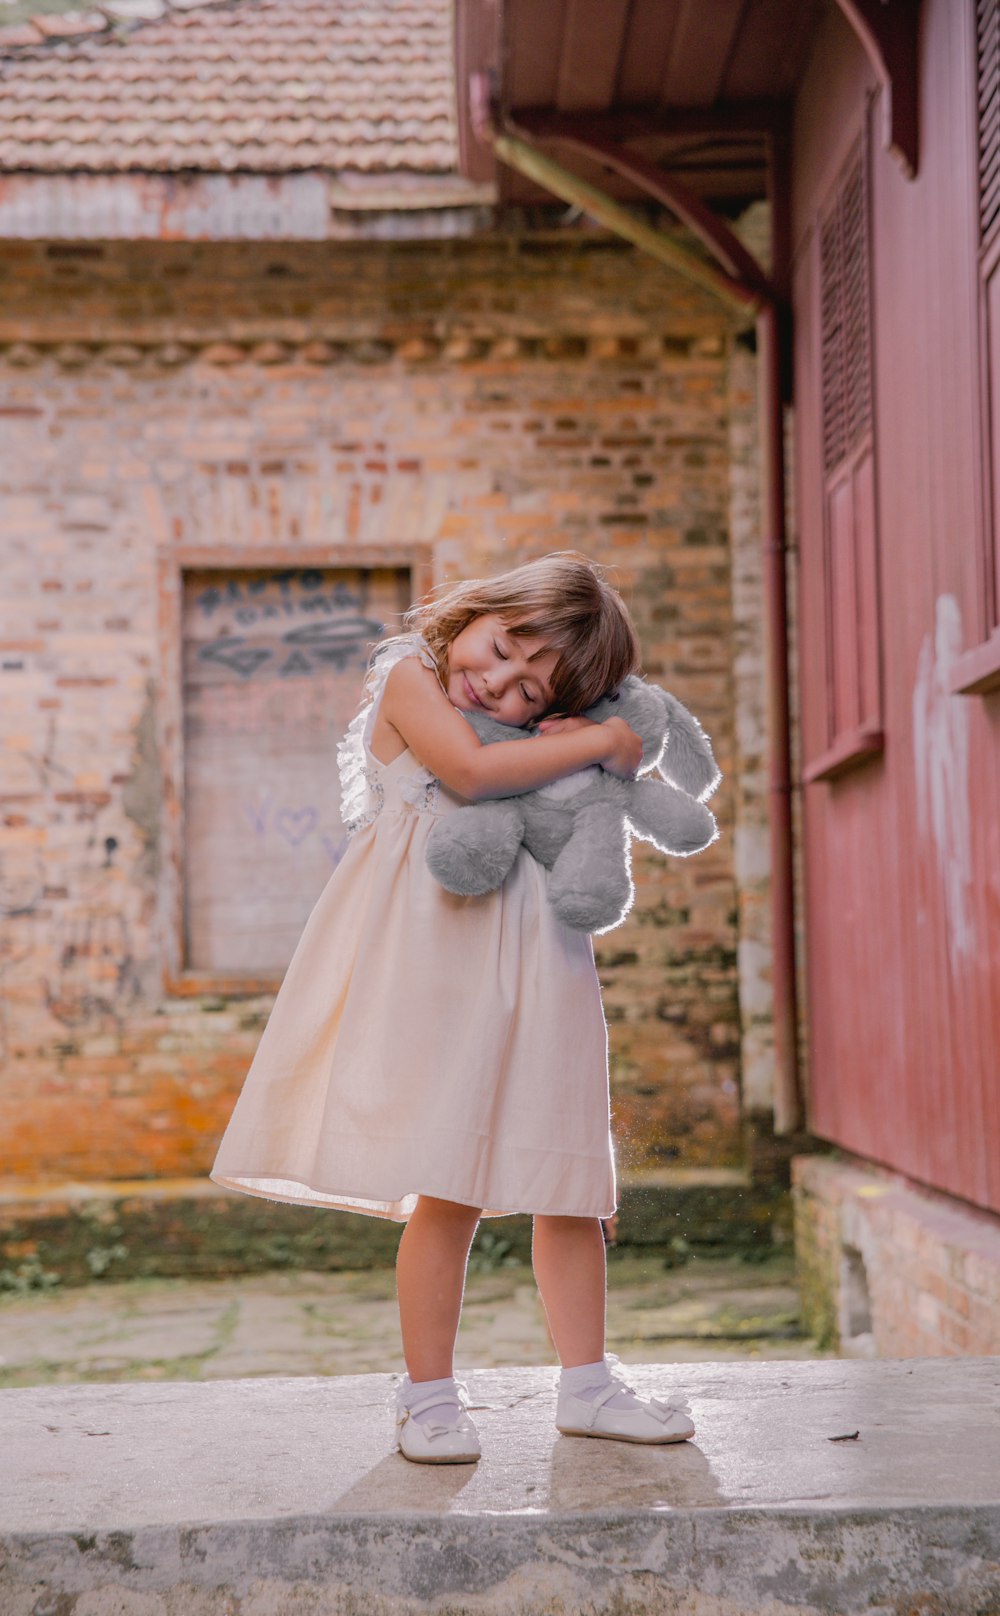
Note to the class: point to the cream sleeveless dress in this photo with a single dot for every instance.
(424, 1044)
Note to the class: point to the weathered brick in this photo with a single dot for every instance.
(927, 1287)
(174, 393)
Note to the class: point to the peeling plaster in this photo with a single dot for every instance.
(941, 761)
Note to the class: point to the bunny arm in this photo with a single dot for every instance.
(590, 887)
(471, 851)
(687, 759)
(660, 813)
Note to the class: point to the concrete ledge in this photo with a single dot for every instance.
(72, 1233)
(283, 1498)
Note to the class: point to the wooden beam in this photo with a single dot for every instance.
(889, 30)
(532, 37)
(593, 31)
(700, 51)
(650, 32)
(477, 54)
(528, 160)
(721, 241)
(750, 118)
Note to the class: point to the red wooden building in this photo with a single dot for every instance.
(874, 131)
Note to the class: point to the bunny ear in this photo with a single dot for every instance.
(688, 760)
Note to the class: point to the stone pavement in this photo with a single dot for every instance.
(346, 1323)
(832, 1488)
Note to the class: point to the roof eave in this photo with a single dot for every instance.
(311, 205)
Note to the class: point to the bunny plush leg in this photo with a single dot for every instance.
(674, 822)
(471, 851)
(590, 887)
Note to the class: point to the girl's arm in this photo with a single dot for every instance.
(421, 714)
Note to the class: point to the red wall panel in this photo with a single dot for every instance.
(902, 853)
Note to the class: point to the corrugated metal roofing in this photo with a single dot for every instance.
(265, 86)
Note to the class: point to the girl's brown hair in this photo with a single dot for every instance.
(562, 599)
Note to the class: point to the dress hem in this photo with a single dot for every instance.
(247, 1184)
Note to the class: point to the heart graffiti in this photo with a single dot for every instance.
(295, 824)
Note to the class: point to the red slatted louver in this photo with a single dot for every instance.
(988, 64)
(850, 515)
(845, 333)
(857, 343)
(831, 341)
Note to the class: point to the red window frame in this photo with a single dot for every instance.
(977, 671)
(854, 725)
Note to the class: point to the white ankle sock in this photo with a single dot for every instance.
(587, 1380)
(447, 1405)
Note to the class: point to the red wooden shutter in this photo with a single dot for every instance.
(988, 84)
(978, 670)
(857, 335)
(831, 280)
(851, 552)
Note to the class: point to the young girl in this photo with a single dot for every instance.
(436, 1059)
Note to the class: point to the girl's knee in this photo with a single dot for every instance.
(454, 1212)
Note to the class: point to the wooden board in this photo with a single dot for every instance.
(273, 665)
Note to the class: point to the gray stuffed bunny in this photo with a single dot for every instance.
(580, 827)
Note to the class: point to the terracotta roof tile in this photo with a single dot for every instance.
(223, 85)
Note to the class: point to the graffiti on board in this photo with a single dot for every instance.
(248, 611)
(293, 825)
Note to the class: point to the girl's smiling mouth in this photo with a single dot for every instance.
(471, 693)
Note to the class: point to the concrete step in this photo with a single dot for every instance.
(812, 1489)
(71, 1233)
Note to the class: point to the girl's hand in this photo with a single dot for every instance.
(624, 749)
(417, 708)
(557, 725)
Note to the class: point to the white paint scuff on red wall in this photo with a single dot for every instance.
(941, 760)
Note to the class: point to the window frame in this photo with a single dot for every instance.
(977, 671)
(851, 744)
(178, 981)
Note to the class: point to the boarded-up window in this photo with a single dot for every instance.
(851, 546)
(273, 666)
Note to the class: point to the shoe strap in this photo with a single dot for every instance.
(663, 1412)
(594, 1405)
(435, 1400)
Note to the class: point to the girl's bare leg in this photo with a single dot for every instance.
(430, 1283)
(570, 1269)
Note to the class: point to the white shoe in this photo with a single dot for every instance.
(649, 1420)
(437, 1441)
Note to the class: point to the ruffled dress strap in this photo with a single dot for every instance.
(361, 791)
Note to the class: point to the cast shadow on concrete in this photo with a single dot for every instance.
(538, 1472)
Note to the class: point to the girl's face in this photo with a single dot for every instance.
(492, 670)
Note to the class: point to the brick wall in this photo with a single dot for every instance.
(491, 400)
(891, 1269)
(751, 830)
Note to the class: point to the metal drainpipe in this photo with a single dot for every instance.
(788, 1107)
(744, 300)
